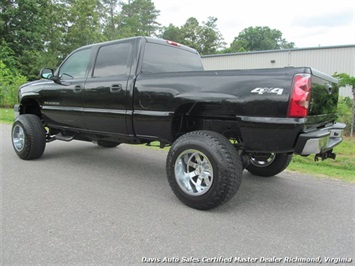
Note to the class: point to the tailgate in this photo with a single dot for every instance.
(324, 99)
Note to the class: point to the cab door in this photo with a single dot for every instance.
(106, 97)
(63, 101)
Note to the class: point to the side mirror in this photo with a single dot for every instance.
(46, 73)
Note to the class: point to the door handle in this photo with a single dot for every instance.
(78, 89)
(116, 88)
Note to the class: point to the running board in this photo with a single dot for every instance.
(64, 138)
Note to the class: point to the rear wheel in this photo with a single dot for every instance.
(28, 137)
(202, 169)
(269, 164)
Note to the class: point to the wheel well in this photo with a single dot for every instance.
(189, 117)
(182, 123)
(30, 106)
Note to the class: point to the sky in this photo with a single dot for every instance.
(307, 23)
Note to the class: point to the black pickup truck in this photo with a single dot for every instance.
(218, 123)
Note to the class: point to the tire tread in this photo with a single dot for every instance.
(231, 166)
(35, 136)
(280, 163)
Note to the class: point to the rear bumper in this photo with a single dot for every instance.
(320, 141)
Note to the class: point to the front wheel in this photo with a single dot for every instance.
(202, 169)
(28, 137)
(268, 164)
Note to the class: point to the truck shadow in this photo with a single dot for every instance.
(278, 194)
(140, 164)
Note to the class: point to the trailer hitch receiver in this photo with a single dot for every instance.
(325, 155)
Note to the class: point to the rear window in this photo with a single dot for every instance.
(112, 60)
(162, 58)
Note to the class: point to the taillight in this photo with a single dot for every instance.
(300, 96)
(173, 43)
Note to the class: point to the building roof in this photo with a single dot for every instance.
(283, 50)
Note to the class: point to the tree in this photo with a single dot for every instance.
(347, 80)
(110, 19)
(135, 18)
(7, 56)
(54, 38)
(42, 32)
(138, 17)
(205, 38)
(10, 79)
(258, 39)
(210, 37)
(172, 33)
(191, 33)
(23, 24)
(83, 24)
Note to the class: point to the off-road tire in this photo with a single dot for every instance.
(279, 164)
(221, 156)
(28, 137)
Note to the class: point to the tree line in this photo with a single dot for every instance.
(38, 33)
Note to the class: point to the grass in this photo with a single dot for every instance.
(7, 115)
(343, 167)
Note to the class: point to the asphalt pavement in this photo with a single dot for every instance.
(81, 204)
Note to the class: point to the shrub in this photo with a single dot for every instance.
(10, 81)
(345, 113)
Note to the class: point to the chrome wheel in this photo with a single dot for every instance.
(193, 172)
(204, 169)
(263, 160)
(18, 138)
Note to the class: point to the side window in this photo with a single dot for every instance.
(75, 66)
(112, 60)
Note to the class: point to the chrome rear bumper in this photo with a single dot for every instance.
(320, 141)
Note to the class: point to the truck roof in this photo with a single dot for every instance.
(146, 39)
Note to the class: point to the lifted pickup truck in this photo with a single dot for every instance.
(218, 123)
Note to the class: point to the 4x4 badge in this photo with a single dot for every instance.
(277, 91)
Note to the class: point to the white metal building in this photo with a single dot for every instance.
(331, 59)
